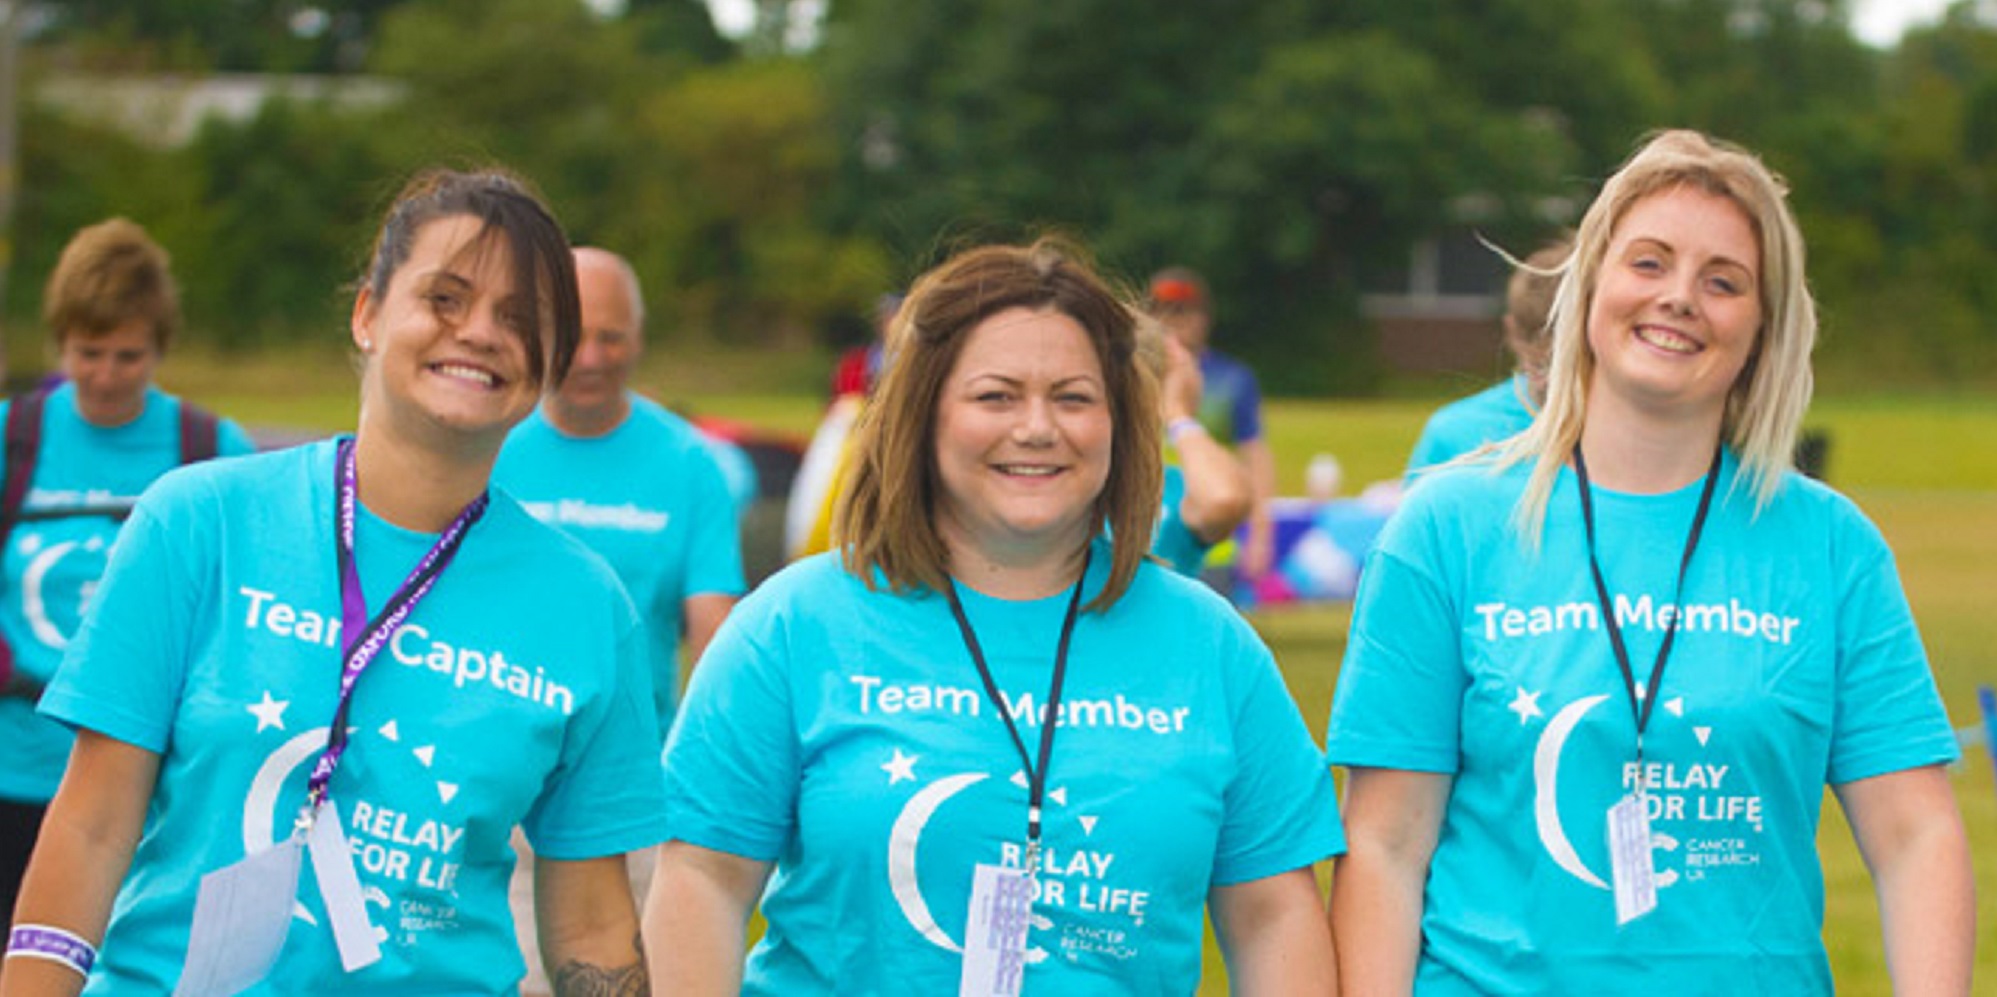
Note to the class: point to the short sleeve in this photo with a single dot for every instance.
(1430, 449)
(714, 554)
(1281, 806)
(123, 673)
(1248, 408)
(1400, 690)
(732, 765)
(1889, 714)
(606, 796)
(232, 441)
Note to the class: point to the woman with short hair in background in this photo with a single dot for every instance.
(79, 455)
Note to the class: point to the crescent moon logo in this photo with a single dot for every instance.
(33, 606)
(260, 805)
(902, 842)
(1546, 790)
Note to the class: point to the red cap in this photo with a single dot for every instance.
(1175, 291)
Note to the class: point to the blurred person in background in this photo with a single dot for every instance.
(78, 455)
(1600, 677)
(1505, 408)
(355, 654)
(1230, 403)
(637, 485)
(1207, 494)
(860, 366)
(936, 723)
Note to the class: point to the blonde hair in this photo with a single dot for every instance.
(1765, 407)
(886, 517)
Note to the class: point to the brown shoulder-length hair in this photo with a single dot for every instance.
(886, 517)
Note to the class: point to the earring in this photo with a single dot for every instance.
(367, 344)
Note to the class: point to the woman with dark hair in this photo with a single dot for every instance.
(986, 741)
(352, 655)
(1600, 677)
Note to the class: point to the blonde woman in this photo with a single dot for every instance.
(1597, 685)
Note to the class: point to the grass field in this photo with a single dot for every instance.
(1921, 466)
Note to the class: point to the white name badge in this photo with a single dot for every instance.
(1630, 859)
(995, 933)
(340, 888)
(241, 914)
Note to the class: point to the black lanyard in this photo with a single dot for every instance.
(1640, 708)
(360, 638)
(1036, 774)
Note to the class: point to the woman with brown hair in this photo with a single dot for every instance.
(986, 742)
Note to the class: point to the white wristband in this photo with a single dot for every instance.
(1180, 427)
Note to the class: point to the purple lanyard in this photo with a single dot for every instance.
(361, 638)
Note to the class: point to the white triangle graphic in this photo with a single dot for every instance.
(447, 790)
(1059, 795)
(426, 754)
(1702, 733)
(1088, 825)
(1676, 706)
(390, 731)
(1019, 779)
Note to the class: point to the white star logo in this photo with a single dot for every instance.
(270, 712)
(901, 768)
(1526, 705)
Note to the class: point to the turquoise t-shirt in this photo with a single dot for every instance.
(649, 498)
(844, 734)
(1496, 413)
(51, 564)
(1796, 665)
(1173, 541)
(516, 694)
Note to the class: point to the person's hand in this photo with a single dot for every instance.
(1179, 392)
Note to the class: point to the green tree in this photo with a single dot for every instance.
(74, 175)
(709, 175)
(1279, 145)
(291, 198)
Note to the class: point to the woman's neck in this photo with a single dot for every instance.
(1631, 451)
(1015, 575)
(413, 487)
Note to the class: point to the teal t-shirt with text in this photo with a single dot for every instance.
(516, 693)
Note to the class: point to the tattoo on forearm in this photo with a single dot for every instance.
(580, 979)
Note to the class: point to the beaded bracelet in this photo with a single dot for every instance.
(40, 941)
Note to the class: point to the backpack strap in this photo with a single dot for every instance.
(198, 433)
(24, 446)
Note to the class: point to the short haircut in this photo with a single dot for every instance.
(111, 274)
(543, 264)
(886, 518)
(627, 275)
